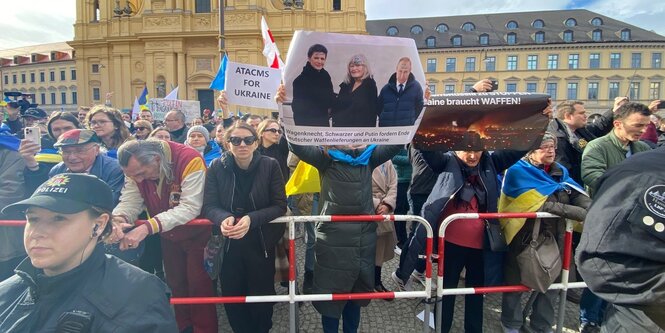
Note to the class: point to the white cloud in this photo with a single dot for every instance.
(30, 22)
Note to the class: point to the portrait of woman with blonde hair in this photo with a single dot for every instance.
(357, 101)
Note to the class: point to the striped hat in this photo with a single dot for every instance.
(76, 137)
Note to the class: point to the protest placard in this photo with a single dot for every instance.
(251, 85)
(482, 121)
(159, 107)
(345, 89)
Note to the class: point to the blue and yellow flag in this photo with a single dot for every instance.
(48, 155)
(525, 189)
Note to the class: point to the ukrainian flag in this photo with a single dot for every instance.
(48, 155)
(525, 189)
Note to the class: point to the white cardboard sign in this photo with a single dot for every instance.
(251, 85)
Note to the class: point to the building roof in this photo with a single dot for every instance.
(41, 48)
(496, 28)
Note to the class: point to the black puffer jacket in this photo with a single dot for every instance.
(621, 254)
(118, 296)
(345, 252)
(313, 96)
(267, 196)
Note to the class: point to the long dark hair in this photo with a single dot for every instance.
(121, 133)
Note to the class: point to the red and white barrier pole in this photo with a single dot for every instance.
(292, 298)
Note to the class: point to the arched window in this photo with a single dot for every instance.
(468, 26)
(539, 37)
(596, 21)
(456, 40)
(484, 39)
(571, 22)
(538, 24)
(430, 41)
(511, 38)
(416, 29)
(441, 28)
(95, 11)
(512, 25)
(392, 31)
(160, 86)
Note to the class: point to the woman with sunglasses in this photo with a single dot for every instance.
(142, 129)
(273, 144)
(244, 191)
(108, 125)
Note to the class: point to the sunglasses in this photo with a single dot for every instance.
(274, 130)
(248, 140)
(140, 128)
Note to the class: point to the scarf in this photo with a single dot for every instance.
(525, 189)
(341, 156)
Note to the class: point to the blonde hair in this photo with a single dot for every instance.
(357, 59)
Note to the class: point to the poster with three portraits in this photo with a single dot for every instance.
(345, 89)
(357, 89)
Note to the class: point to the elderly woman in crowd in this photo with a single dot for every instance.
(357, 100)
(467, 183)
(199, 139)
(161, 133)
(536, 181)
(244, 191)
(142, 129)
(67, 282)
(110, 128)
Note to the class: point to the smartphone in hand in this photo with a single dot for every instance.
(33, 134)
(661, 105)
(495, 86)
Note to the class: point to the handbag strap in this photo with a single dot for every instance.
(536, 230)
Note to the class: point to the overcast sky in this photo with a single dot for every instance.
(29, 22)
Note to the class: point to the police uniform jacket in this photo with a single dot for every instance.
(621, 255)
(116, 296)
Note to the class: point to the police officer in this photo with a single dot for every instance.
(621, 255)
(67, 283)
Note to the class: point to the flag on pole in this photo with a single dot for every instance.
(270, 50)
(143, 99)
(219, 82)
(173, 95)
(136, 109)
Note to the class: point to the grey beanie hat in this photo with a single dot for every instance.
(200, 129)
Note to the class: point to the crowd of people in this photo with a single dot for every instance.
(94, 174)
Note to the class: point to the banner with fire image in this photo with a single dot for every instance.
(482, 121)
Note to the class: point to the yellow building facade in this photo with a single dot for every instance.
(46, 73)
(123, 45)
(568, 54)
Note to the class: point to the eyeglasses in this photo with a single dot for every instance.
(236, 141)
(274, 130)
(140, 128)
(75, 151)
(99, 122)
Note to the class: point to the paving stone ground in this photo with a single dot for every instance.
(398, 316)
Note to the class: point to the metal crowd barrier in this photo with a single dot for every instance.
(563, 286)
(292, 298)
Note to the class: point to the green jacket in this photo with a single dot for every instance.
(604, 153)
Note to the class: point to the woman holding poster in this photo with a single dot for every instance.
(344, 252)
(356, 104)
